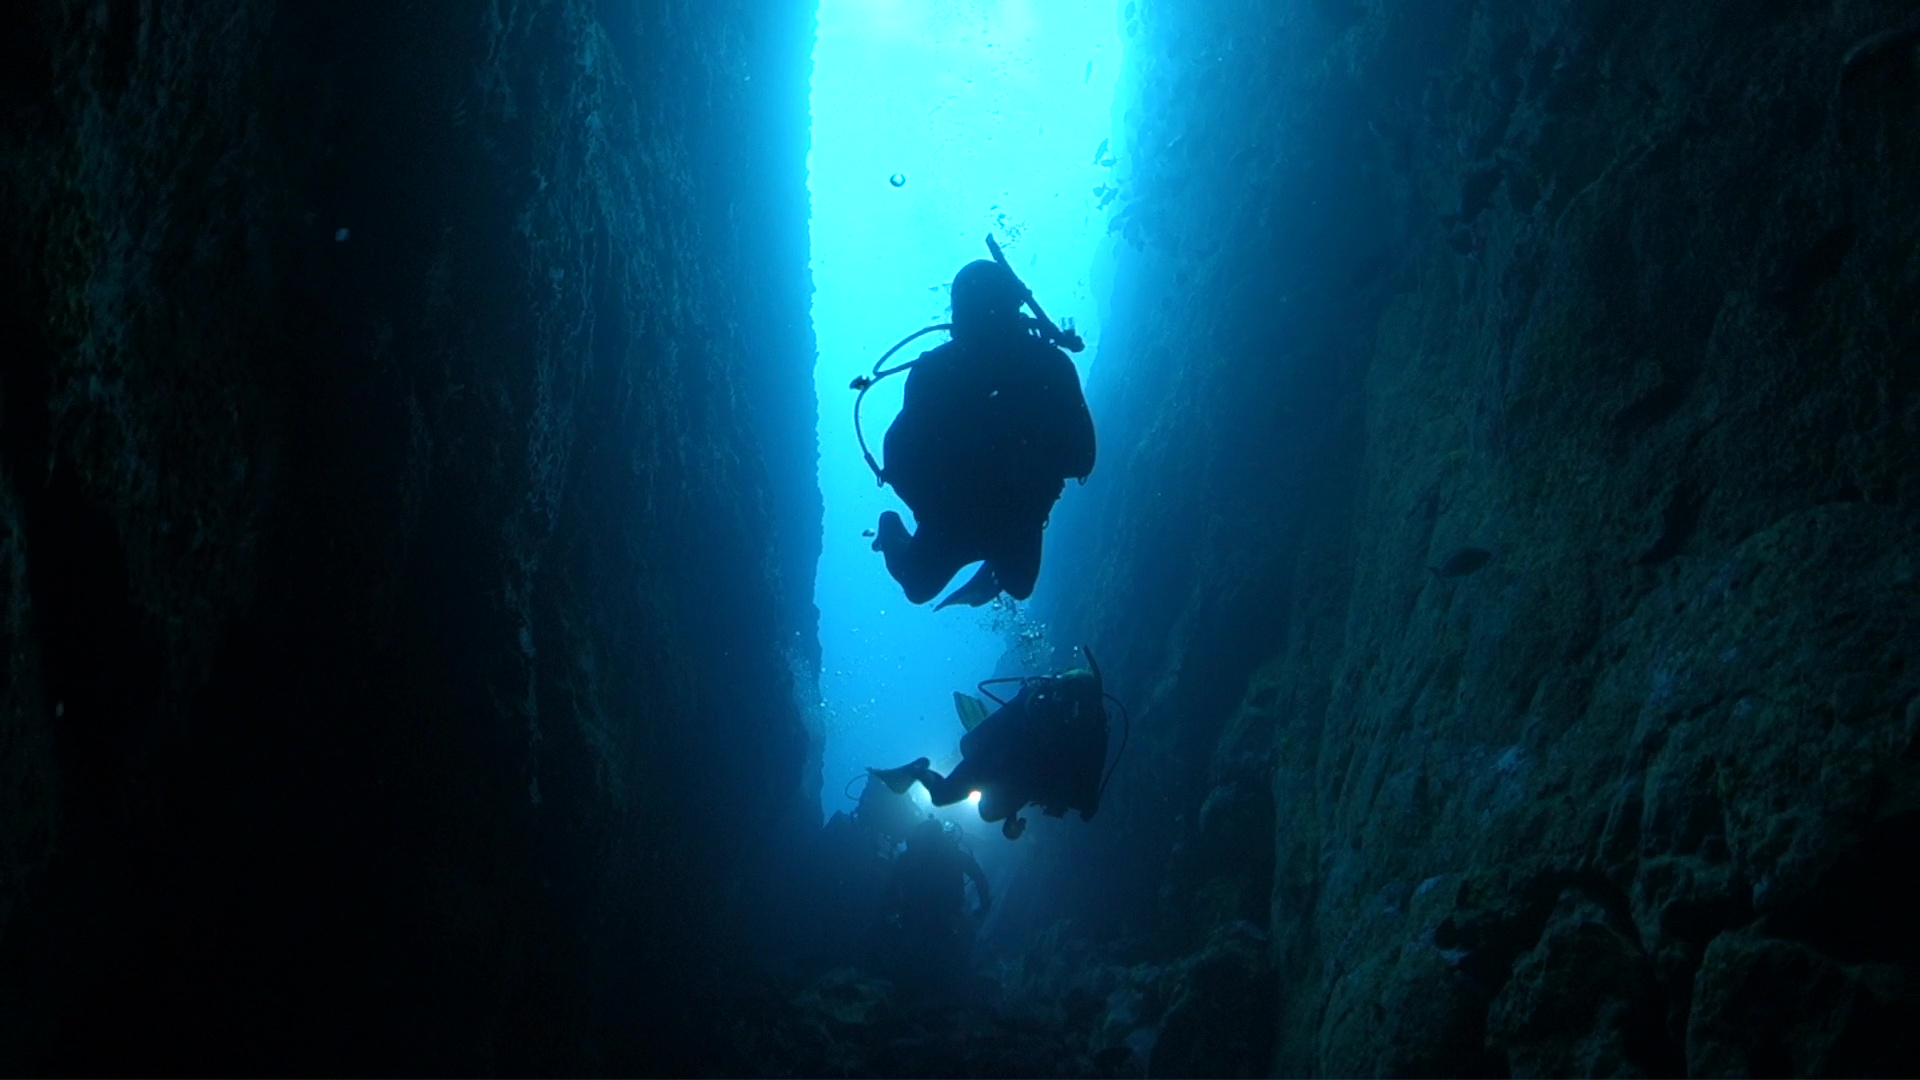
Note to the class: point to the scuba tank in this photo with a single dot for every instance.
(1041, 326)
(1086, 703)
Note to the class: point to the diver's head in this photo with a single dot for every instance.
(1073, 694)
(929, 833)
(986, 300)
(1079, 676)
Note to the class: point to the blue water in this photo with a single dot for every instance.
(935, 122)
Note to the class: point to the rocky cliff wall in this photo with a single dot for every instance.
(408, 528)
(1504, 535)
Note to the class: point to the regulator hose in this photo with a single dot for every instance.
(1067, 339)
(866, 382)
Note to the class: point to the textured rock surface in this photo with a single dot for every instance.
(406, 529)
(1623, 294)
(404, 545)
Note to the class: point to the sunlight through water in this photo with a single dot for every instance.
(935, 122)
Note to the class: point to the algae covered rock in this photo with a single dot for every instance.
(847, 997)
(1220, 1007)
(1581, 1002)
(1772, 1007)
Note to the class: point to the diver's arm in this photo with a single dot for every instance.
(924, 373)
(908, 440)
(1072, 425)
(979, 879)
(1080, 441)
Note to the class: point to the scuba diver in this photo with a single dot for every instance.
(840, 913)
(992, 425)
(930, 876)
(1046, 747)
(927, 897)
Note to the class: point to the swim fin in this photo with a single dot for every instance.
(971, 709)
(901, 779)
(980, 589)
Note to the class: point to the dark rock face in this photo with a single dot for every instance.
(406, 536)
(406, 529)
(1624, 293)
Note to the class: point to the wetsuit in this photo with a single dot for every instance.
(1047, 747)
(990, 429)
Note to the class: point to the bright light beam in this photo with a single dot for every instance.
(992, 112)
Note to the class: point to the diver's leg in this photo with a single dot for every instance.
(1017, 564)
(951, 788)
(995, 805)
(941, 790)
(980, 589)
(998, 802)
(921, 562)
(892, 531)
(900, 778)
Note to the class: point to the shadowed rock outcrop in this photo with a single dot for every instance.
(1503, 541)
(1622, 295)
(406, 530)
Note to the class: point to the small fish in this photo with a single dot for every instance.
(868, 533)
(1462, 562)
(1088, 77)
(1100, 153)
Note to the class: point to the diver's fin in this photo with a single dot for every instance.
(980, 589)
(971, 709)
(899, 780)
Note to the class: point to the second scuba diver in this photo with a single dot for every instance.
(1046, 747)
